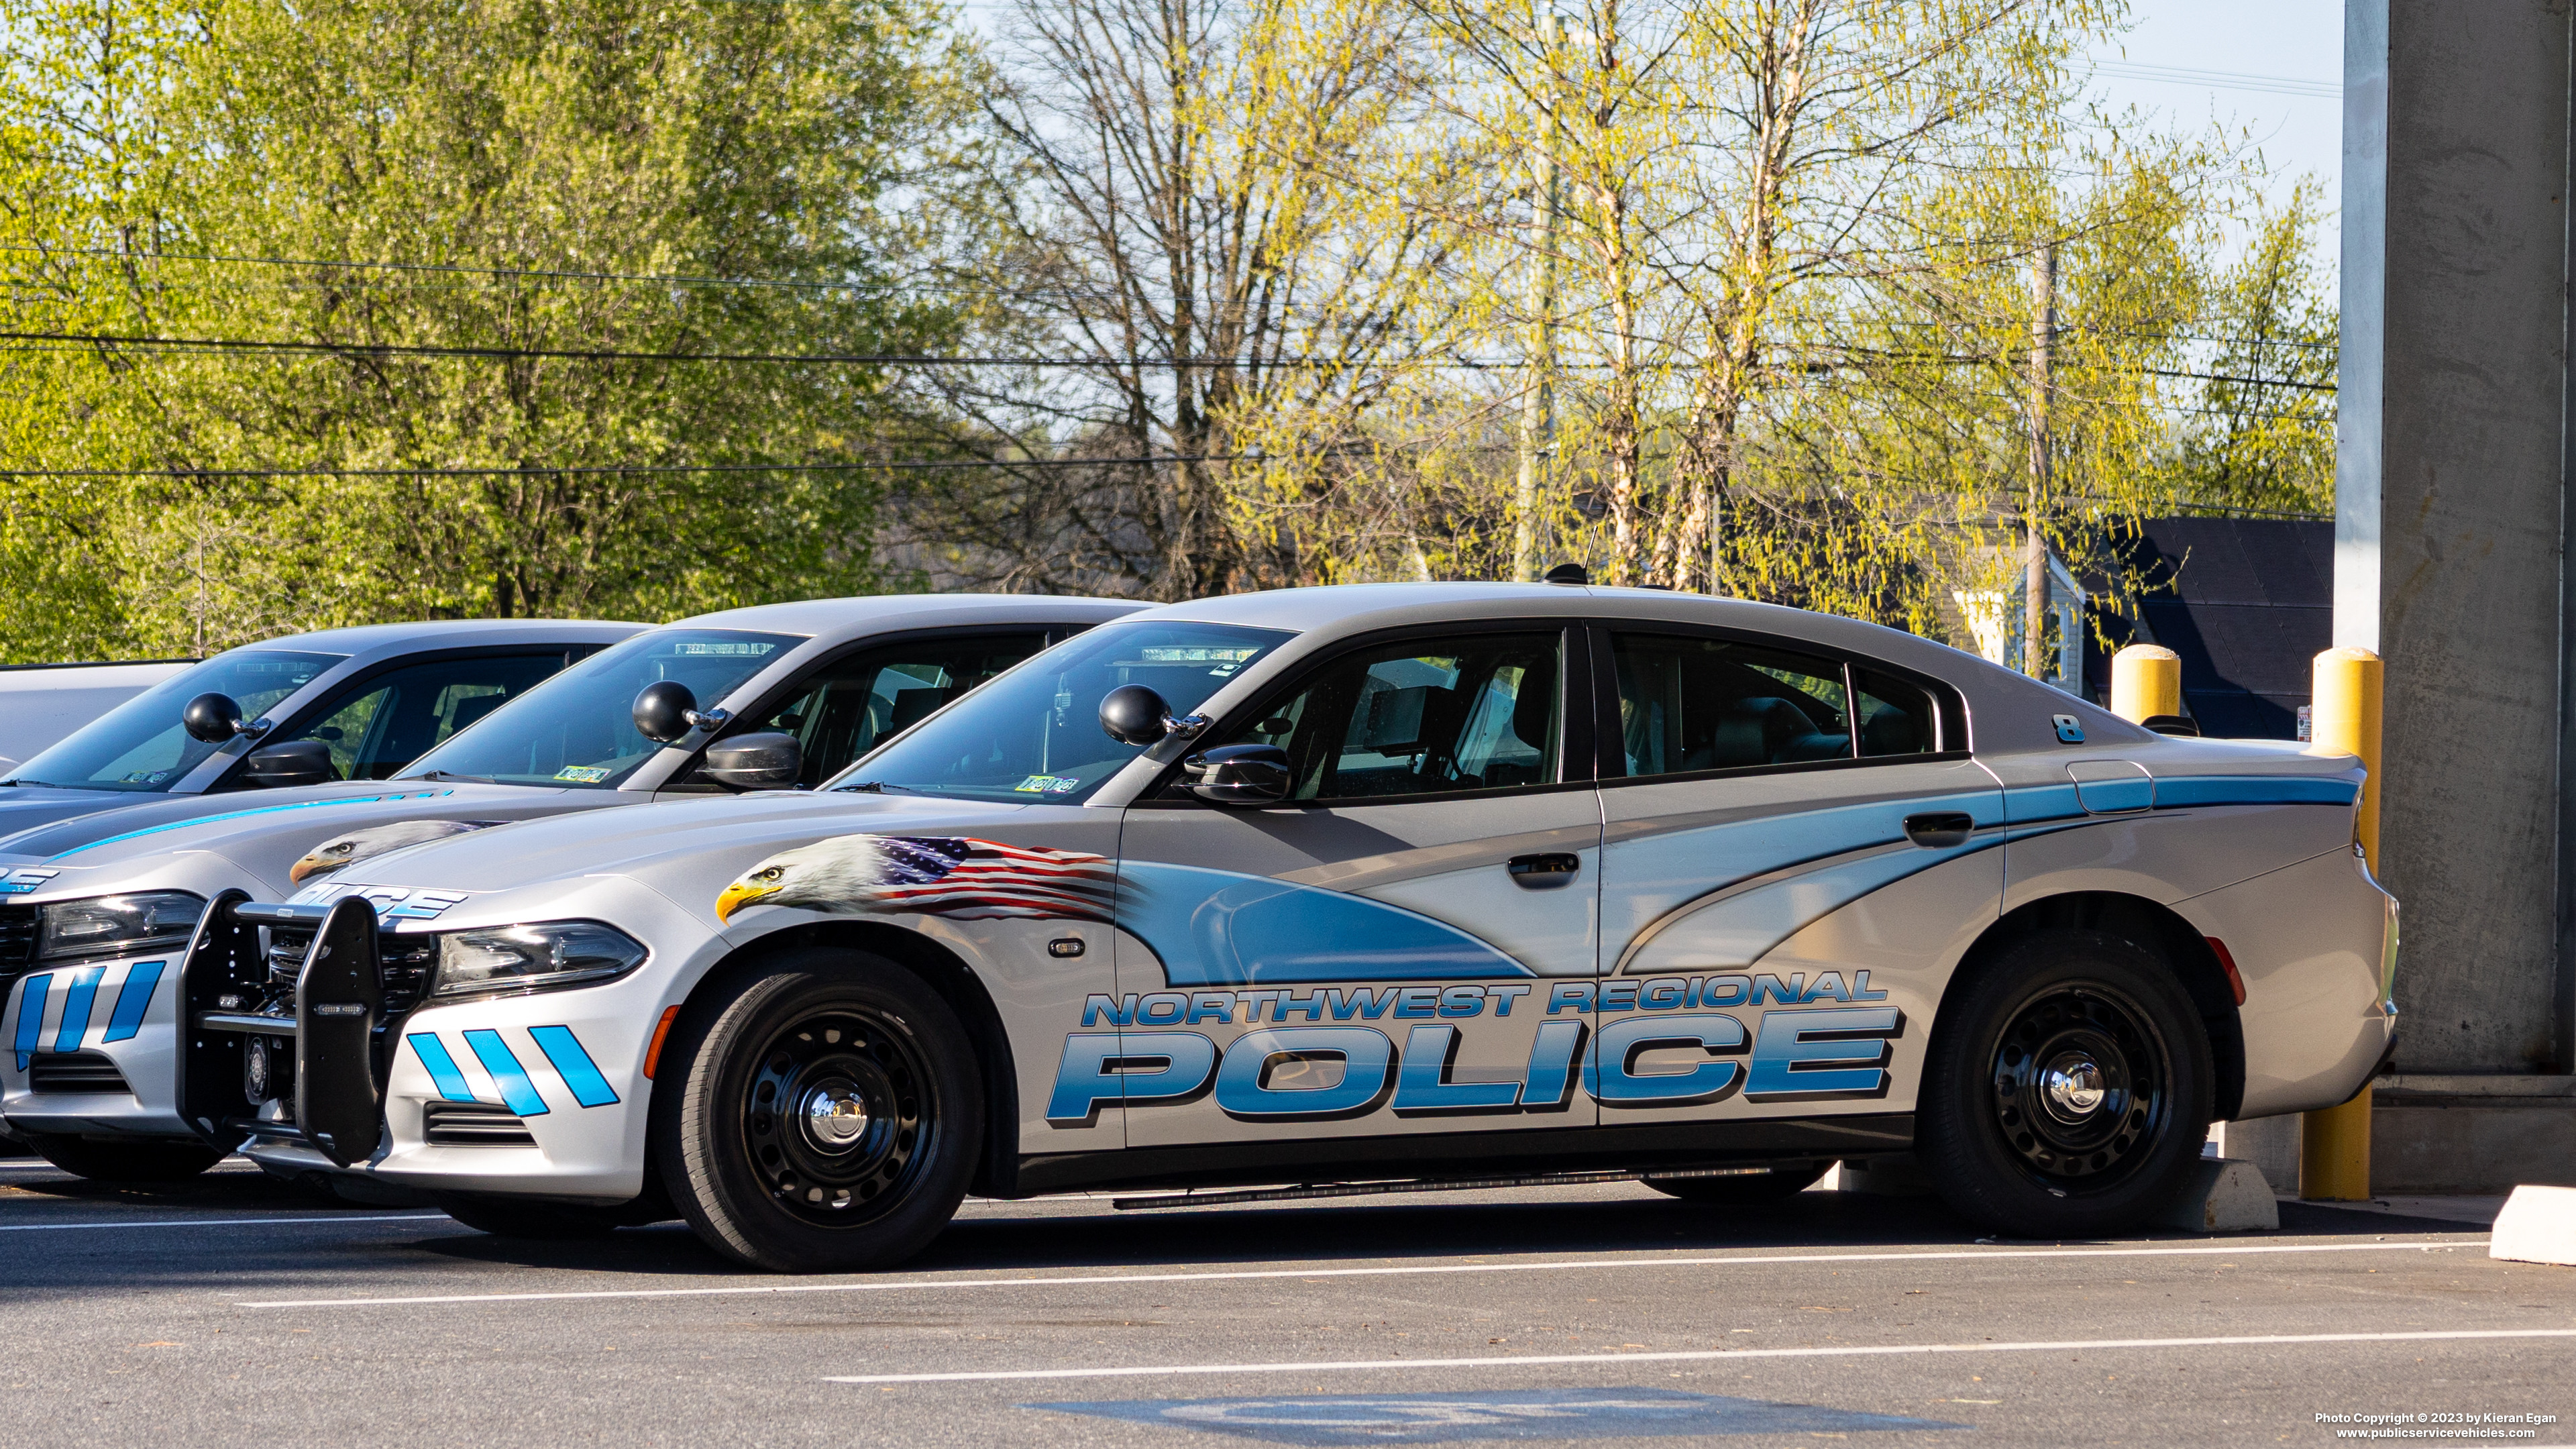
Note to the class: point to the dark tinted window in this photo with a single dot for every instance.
(842, 711)
(1709, 704)
(381, 724)
(1477, 712)
(1896, 718)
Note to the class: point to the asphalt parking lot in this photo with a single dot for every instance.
(237, 1310)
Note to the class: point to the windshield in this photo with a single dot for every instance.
(140, 745)
(578, 728)
(1034, 734)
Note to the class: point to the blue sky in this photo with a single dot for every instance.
(2267, 72)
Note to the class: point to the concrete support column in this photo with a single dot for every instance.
(2451, 481)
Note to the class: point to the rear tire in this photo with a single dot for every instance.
(1747, 1191)
(134, 1160)
(2069, 1088)
(825, 1116)
(504, 1217)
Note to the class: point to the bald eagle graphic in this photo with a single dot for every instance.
(373, 841)
(960, 878)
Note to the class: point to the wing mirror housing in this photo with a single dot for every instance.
(290, 762)
(1133, 714)
(769, 761)
(214, 719)
(1239, 775)
(665, 713)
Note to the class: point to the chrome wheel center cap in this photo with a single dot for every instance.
(2074, 1087)
(836, 1116)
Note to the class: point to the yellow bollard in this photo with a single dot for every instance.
(2146, 681)
(2334, 1145)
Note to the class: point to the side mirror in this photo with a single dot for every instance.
(212, 719)
(756, 762)
(666, 712)
(293, 762)
(1132, 714)
(1239, 775)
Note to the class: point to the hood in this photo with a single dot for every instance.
(683, 854)
(25, 807)
(256, 839)
(653, 841)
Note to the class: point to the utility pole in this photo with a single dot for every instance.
(1538, 405)
(2043, 329)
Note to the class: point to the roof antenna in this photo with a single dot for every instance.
(1569, 573)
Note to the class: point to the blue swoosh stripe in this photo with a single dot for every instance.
(517, 1092)
(2179, 790)
(133, 999)
(76, 1003)
(442, 1067)
(579, 1072)
(31, 1017)
(1222, 928)
(246, 814)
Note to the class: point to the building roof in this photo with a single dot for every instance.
(2247, 602)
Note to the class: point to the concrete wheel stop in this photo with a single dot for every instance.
(2225, 1195)
(2538, 1225)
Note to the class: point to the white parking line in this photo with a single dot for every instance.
(214, 1222)
(1693, 1356)
(1550, 1266)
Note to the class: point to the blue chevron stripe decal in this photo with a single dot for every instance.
(31, 1017)
(133, 999)
(574, 1065)
(442, 1067)
(196, 821)
(76, 1004)
(517, 1092)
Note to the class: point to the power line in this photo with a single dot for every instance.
(592, 354)
(2228, 80)
(622, 468)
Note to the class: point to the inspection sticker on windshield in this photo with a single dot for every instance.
(583, 774)
(1047, 785)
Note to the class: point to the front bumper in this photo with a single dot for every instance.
(88, 1047)
(536, 1095)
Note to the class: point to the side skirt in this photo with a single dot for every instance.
(1573, 1149)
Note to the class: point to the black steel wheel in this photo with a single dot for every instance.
(2069, 1087)
(2081, 1083)
(833, 1114)
(826, 1116)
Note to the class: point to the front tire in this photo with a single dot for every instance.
(828, 1115)
(2069, 1088)
(131, 1160)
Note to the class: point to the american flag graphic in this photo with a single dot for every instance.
(983, 880)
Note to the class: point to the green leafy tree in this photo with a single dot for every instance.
(527, 251)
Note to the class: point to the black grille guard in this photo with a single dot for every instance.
(339, 1015)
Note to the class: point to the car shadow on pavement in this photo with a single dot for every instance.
(1063, 1234)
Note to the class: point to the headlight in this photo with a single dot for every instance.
(118, 925)
(533, 958)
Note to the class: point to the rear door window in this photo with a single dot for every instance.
(1688, 704)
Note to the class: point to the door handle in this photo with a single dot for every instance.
(1940, 830)
(1544, 872)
